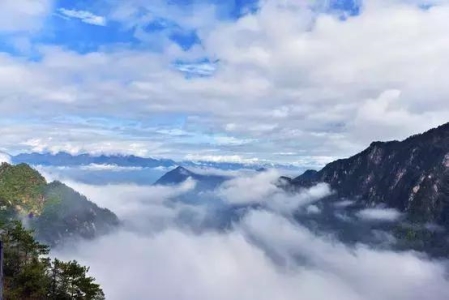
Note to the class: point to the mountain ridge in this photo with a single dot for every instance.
(54, 210)
(66, 159)
(410, 175)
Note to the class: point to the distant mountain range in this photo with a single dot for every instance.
(53, 210)
(411, 176)
(68, 160)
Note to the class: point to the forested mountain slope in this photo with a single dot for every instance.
(54, 210)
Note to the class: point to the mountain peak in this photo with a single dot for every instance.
(410, 175)
(182, 170)
(181, 174)
(176, 176)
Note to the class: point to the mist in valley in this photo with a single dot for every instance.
(248, 239)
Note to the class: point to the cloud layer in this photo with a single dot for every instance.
(291, 82)
(264, 254)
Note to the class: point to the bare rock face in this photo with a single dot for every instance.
(411, 176)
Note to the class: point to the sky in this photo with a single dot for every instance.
(291, 81)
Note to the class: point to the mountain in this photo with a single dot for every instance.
(53, 210)
(21, 189)
(181, 174)
(260, 167)
(411, 176)
(66, 213)
(66, 159)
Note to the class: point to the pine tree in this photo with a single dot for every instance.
(30, 275)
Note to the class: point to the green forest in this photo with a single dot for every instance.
(29, 274)
(53, 212)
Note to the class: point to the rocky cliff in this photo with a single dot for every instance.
(411, 176)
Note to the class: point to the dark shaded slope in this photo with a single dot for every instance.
(181, 174)
(411, 176)
(67, 213)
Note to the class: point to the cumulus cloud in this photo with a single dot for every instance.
(345, 92)
(84, 16)
(379, 214)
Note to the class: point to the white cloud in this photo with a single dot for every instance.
(343, 203)
(261, 188)
(84, 16)
(379, 214)
(313, 209)
(294, 86)
(266, 256)
(304, 197)
(365, 272)
(5, 158)
(221, 158)
(219, 172)
(166, 250)
(143, 209)
(227, 140)
(256, 188)
(23, 15)
(122, 194)
(105, 167)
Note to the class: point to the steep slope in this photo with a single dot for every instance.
(176, 176)
(67, 213)
(411, 176)
(54, 210)
(21, 188)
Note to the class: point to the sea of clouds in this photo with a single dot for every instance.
(164, 250)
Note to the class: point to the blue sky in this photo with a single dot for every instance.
(294, 81)
(90, 26)
(85, 26)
